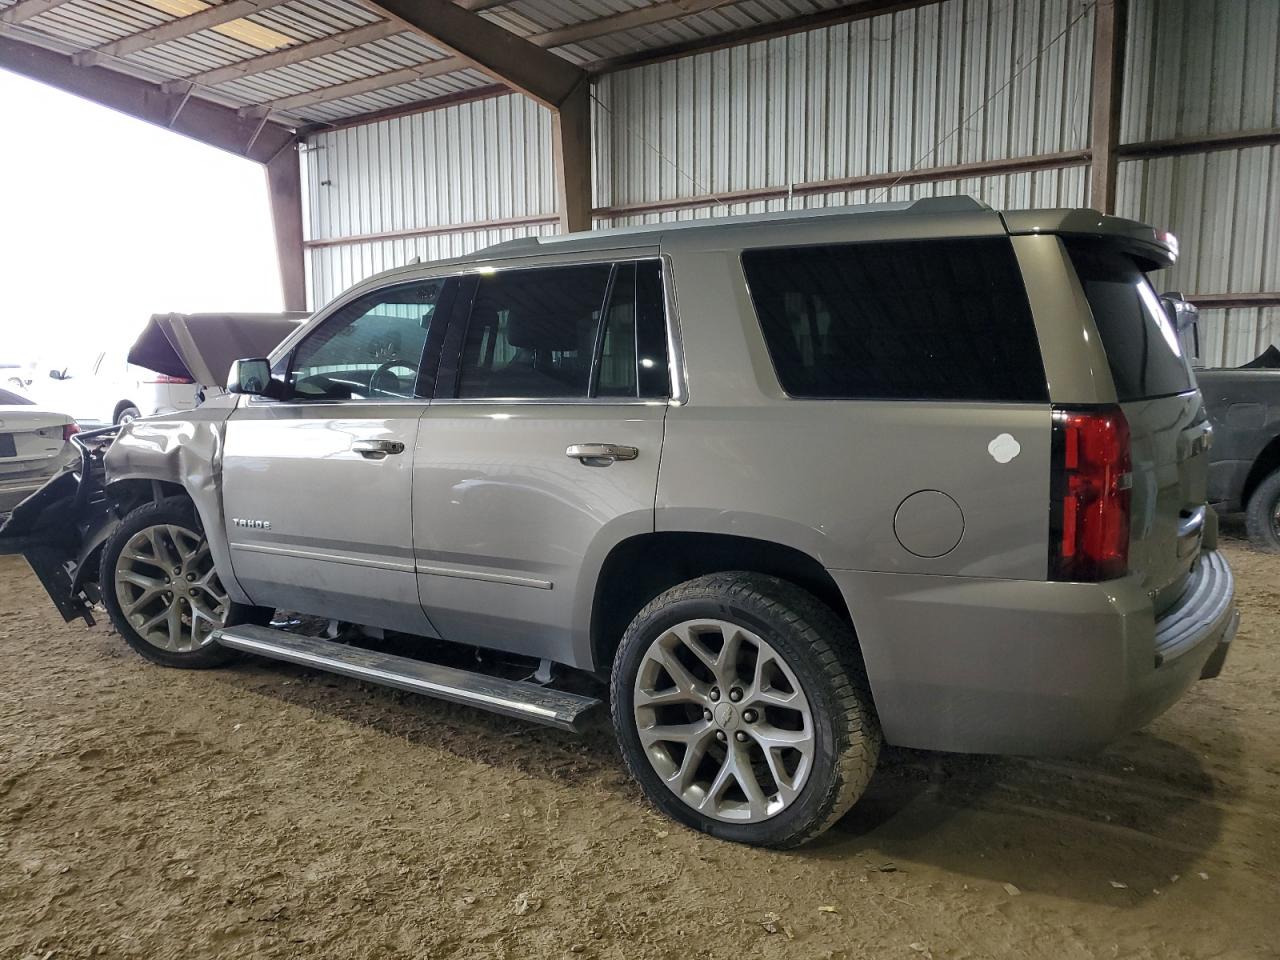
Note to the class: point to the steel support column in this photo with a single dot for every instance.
(284, 186)
(1110, 18)
(571, 140)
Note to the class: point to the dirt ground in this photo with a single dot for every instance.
(266, 810)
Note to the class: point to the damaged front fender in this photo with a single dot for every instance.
(187, 451)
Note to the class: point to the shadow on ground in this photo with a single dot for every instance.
(1147, 801)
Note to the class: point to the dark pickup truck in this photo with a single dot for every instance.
(1243, 404)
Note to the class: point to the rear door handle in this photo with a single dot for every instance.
(600, 454)
(376, 449)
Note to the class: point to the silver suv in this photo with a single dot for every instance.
(796, 485)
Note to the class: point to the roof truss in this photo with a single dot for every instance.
(498, 52)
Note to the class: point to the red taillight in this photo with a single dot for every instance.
(1090, 489)
(165, 378)
(69, 430)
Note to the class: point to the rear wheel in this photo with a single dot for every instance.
(742, 709)
(1262, 518)
(127, 415)
(161, 590)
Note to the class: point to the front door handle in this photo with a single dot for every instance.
(600, 454)
(376, 449)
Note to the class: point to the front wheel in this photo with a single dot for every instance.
(741, 707)
(161, 590)
(127, 415)
(1262, 518)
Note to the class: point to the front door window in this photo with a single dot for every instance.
(371, 349)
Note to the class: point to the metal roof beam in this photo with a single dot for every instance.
(377, 30)
(175, 29)
(26, 9)
(501, 54)
(192, 116)
(353, 88)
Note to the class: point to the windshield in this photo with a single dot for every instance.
(1142, 347)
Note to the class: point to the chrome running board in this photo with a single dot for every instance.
(514, 698)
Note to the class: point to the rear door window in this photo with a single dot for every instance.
(1142, 347)
(566, 333)
(904, 320)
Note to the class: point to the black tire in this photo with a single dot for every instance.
(822, 652)
(1262, 518)
(180, 512)
(125, 414)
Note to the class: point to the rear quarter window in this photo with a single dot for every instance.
(1142, 348)
(903, 320)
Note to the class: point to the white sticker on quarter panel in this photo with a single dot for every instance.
(1004, 448)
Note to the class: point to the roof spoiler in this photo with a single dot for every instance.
(1155, 249)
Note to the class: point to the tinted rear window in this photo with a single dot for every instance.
(1142, 347)
(921, 319)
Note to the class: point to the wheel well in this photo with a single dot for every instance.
(639, 569)
(125, 497)
(121, 407)
(1267, 462)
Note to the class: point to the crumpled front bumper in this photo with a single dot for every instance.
(60, 526)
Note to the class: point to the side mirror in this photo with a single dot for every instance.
(1182, 313)
(57, 375)
(251, 377)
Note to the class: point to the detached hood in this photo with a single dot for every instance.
(203, 345)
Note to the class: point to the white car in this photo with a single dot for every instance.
(103, 388)
(34, 445)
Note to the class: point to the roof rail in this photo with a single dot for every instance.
(927, 205)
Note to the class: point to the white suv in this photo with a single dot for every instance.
(103, 388)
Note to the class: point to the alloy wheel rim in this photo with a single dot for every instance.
(168, 589)
(723, 721)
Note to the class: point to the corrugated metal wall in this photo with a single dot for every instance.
(961, 81)
(463, 165)
(956, 82)
(1198, 67)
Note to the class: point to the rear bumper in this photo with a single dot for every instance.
(1028, 667)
